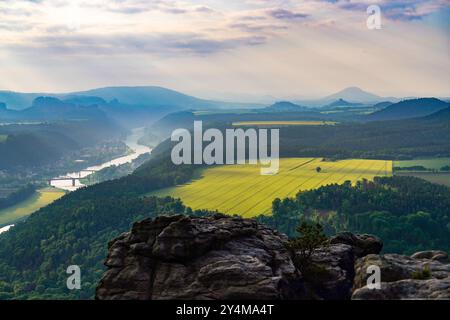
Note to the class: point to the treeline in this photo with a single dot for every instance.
(390, 140)
(408, 213)
(395, 140)
(17, 196)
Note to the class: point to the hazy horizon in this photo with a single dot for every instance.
(252, 50)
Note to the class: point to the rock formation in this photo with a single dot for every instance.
(424, 275)
(221, 257)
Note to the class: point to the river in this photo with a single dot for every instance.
(25, 209)
(73, 178)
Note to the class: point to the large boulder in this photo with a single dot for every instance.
(424, 275)
(407, 289)
(363, 244)
(333, 265)
(179, 257)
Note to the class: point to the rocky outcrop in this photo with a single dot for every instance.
(179, 257)
(424, 275)
(222, 257)
(333, 265)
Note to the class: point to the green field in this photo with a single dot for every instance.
(442, 178)
(433, 164)
(281, 123)
(240, 189)
(40, 199)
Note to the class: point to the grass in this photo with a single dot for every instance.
(432, 164)
(40, 199)
(282, 123)
(240, 189)
(3, 137)
(442, 178)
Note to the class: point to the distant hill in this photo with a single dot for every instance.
(443, 114)
(343, 103)
(413, 108)
(285, 106)
(17, 100)
(382, 105)
(149, 96)
(42, 144)
(49, 108)
(354, 94)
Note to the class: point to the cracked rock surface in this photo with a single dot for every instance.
(179, 257)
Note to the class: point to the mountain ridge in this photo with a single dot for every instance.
(411, 108)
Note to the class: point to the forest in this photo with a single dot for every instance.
(408, 213)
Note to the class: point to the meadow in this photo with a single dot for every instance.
(442, 178)
(240, 189)
(281, 123)
(432, 164)
(40, 199)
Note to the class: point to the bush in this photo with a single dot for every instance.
(311, 237)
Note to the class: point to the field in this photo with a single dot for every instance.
(281, 123)
(433, 164)
(240, 189)
(433, 177)
(42, 198)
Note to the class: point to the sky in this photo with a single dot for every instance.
(226, 49)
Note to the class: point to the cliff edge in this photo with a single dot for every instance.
(221, 257)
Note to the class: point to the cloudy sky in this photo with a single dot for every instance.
(228, 49)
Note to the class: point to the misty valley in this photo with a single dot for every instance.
(76, 171)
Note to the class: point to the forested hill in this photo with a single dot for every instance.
(35, 145)
(413, 108)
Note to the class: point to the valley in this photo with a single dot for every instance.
(59, 187)
(336, 168)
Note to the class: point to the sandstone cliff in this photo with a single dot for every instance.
(179, 257)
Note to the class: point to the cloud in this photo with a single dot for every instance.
(167, 44)
(283, 14)
(395, 10)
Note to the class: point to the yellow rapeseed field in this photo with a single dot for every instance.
(240, 189)
(42, 198)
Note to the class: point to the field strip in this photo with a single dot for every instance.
(297, 188)
(226, 173)
(284, 185)
(255, 192)
(303, 164)
(237, 190)
(261, 179)
(341, 180)
(226, 186)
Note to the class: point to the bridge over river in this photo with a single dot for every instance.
(71, 181)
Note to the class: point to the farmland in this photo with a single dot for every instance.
(431, 164)
(42, 198)
(240, 189)
(442, 178)
(281, 123)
